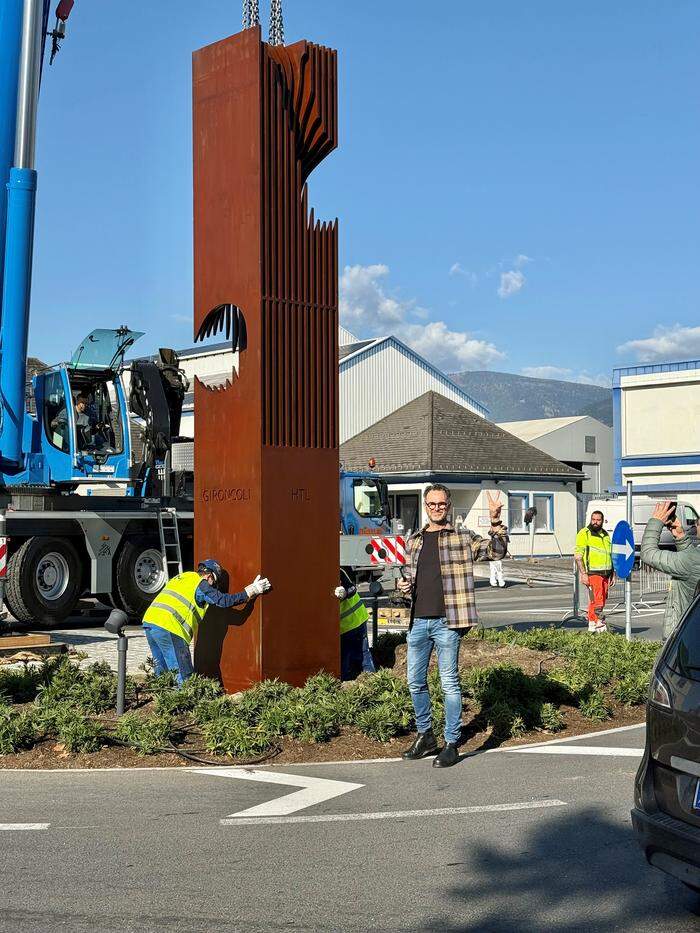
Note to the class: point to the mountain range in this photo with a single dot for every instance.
(521, 398)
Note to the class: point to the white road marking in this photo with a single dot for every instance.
(313, 790)
(12, 827)
(578, 750)
(391, 814)
(574, 738)
(303, 764)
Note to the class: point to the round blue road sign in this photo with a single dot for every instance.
(623, 550)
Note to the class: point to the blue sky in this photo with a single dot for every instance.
(517, 184)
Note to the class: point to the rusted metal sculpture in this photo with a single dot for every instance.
(266, 274)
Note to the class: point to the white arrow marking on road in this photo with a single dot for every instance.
(12, 827)
(577, 750)
(313, 790)
(394, 814)
(625, 549)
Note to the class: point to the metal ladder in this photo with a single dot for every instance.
(170, 542)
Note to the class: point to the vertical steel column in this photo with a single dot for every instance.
(628, 581)
(11, 13)
(14, 327)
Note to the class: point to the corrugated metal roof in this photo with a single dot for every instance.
(433, 434)
(351, 348)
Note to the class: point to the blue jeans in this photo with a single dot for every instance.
(422, 637)
(355, 656)
(170, 652)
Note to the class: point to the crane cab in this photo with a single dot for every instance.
(79, 431)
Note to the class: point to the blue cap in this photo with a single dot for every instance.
(213, 566)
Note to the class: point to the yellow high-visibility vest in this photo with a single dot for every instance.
(353, 613)
(596, 550)
(175, 608)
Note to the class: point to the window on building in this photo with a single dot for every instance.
(590, 443)
(544, 520)
(518, 504)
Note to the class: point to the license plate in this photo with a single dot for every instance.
(102, 468)
(696, 802)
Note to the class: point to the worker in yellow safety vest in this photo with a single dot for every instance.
(355, 655)
(594, 560)
(171, 621)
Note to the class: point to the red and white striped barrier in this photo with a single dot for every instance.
(3, 557)
(389, 550)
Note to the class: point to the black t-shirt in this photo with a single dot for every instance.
(430, 600)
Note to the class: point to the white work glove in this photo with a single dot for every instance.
(340, 592)
(259, 586)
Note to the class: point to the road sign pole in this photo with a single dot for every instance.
(628, 581)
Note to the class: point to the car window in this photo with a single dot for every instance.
(684, 654)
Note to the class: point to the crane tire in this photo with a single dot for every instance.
(44, 581)
(138, 580)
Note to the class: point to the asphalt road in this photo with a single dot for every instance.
(524, 606)
(521, 841)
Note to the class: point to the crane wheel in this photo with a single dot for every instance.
(44, 581)
(139, 574)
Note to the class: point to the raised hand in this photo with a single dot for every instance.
(663, 510)
(495, 505)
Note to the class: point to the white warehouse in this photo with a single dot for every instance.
(377, 377)
(579, 441)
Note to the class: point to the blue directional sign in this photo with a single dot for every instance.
(623, 550)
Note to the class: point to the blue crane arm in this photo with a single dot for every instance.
(22, 39)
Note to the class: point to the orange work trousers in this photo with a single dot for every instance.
(598, 587)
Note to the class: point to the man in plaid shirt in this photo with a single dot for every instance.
(443, 606)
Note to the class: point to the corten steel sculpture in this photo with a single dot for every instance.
(266, 273)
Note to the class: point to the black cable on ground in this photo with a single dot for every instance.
(173, 750)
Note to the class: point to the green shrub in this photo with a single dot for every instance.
(147, 734)
(235, 737)
(19, 685)
(252, 703)
(91, 691)
(551, 718)
(17, 730)
(595, 707)
(382, 722)
(183, 699)
(79, 733)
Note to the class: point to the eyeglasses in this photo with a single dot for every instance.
(437, 505)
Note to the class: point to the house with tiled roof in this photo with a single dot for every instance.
(432, 439)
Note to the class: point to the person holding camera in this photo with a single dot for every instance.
(443, 605)
(682, 565)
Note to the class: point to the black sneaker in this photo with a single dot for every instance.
(448, 756)
(424, 744)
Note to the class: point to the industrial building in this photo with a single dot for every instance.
(433, 439)
(579, 441)
(377, 377)
(656, 411)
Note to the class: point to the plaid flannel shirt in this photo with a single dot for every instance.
(457, 552)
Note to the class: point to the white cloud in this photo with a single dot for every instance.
(568, 375)
(366, 309)
(668, 343)
(546, 372)
(522, 260)
(600, 380)
(458, 269)
(511, 283)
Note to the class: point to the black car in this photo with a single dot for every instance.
(666, 814)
